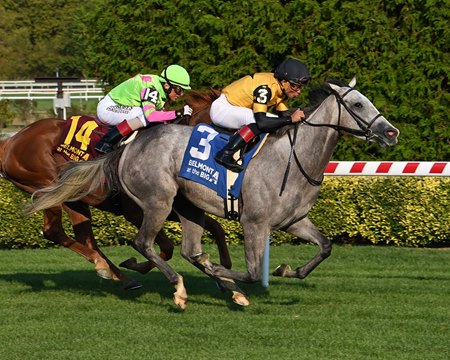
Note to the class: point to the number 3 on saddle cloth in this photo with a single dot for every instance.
(79, 137)
(199, 164)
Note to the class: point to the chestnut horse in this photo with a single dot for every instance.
(27, 160)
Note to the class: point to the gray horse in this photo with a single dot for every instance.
(148, 171)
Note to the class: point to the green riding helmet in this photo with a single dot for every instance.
(177, 75)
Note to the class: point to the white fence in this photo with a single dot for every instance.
(32, 90)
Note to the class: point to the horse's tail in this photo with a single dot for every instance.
(96, 178)
(2, 151)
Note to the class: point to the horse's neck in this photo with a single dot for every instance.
(315, 145)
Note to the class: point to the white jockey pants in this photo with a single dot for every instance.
(229, 116)
(110, 113)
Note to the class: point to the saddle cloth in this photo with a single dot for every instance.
(199, 164)
(79, 137)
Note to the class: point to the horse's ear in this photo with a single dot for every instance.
(352, 82)
(334, 87)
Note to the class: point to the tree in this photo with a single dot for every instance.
(39, 38)
(398, 50)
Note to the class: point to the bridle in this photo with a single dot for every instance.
(364, 126)
(363, 131)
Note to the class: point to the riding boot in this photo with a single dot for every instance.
(112, 137)
(236, 142)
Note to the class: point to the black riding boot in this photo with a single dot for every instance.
(111, 138)
(236, 142)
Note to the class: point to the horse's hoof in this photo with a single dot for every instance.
(132, 285)
(104, 274)
(127, 264)
(281, 270)
(181, 301)
(240, 299)
(202, 258)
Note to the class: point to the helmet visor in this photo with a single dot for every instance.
(299, 83)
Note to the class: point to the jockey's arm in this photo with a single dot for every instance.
(269, 122)
(287, 112)
(153, 115)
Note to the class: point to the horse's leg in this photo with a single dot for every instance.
(133, 213)
(166, 248)
(305, 229)
(54, 231)
(166, 252)
(193, 222)
(218, 234)
(255, 235)
(144, 241)
(80, 217)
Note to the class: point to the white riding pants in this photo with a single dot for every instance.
(111, 113)
(229, 116)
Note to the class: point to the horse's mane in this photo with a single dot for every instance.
(318, 94)
(198, 99)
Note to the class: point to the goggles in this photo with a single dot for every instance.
(297, 84)
(178, 89)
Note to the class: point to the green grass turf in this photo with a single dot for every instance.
(361, 303)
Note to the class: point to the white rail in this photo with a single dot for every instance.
(31, 90)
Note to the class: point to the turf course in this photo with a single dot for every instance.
(361, 303)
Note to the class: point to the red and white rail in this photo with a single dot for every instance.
(371, 168)
(388, 168)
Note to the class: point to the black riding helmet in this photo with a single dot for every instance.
(293, 71)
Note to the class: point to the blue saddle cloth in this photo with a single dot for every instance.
(199, 164)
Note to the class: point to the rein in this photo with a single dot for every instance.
(288, 167)
(364, 131)
(312, 181)
(364, 126)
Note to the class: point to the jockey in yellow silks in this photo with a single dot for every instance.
(244, 105)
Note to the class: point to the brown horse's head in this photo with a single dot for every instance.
(200, 103)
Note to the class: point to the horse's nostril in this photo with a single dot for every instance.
(392, 133)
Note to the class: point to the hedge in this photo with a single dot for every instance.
(412, 212)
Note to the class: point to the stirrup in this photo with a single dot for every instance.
(104, 147)
(233, 166)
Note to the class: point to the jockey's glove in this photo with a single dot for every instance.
(185, 111)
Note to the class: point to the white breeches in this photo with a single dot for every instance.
(229, 116)
(111, 113)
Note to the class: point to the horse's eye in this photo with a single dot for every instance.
(358, 105)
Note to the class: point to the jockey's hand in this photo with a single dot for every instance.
(185, 111)
(297, 115)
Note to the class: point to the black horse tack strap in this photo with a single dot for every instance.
(292, 141)
(231, 203)
(363, 131)
(288, 167)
